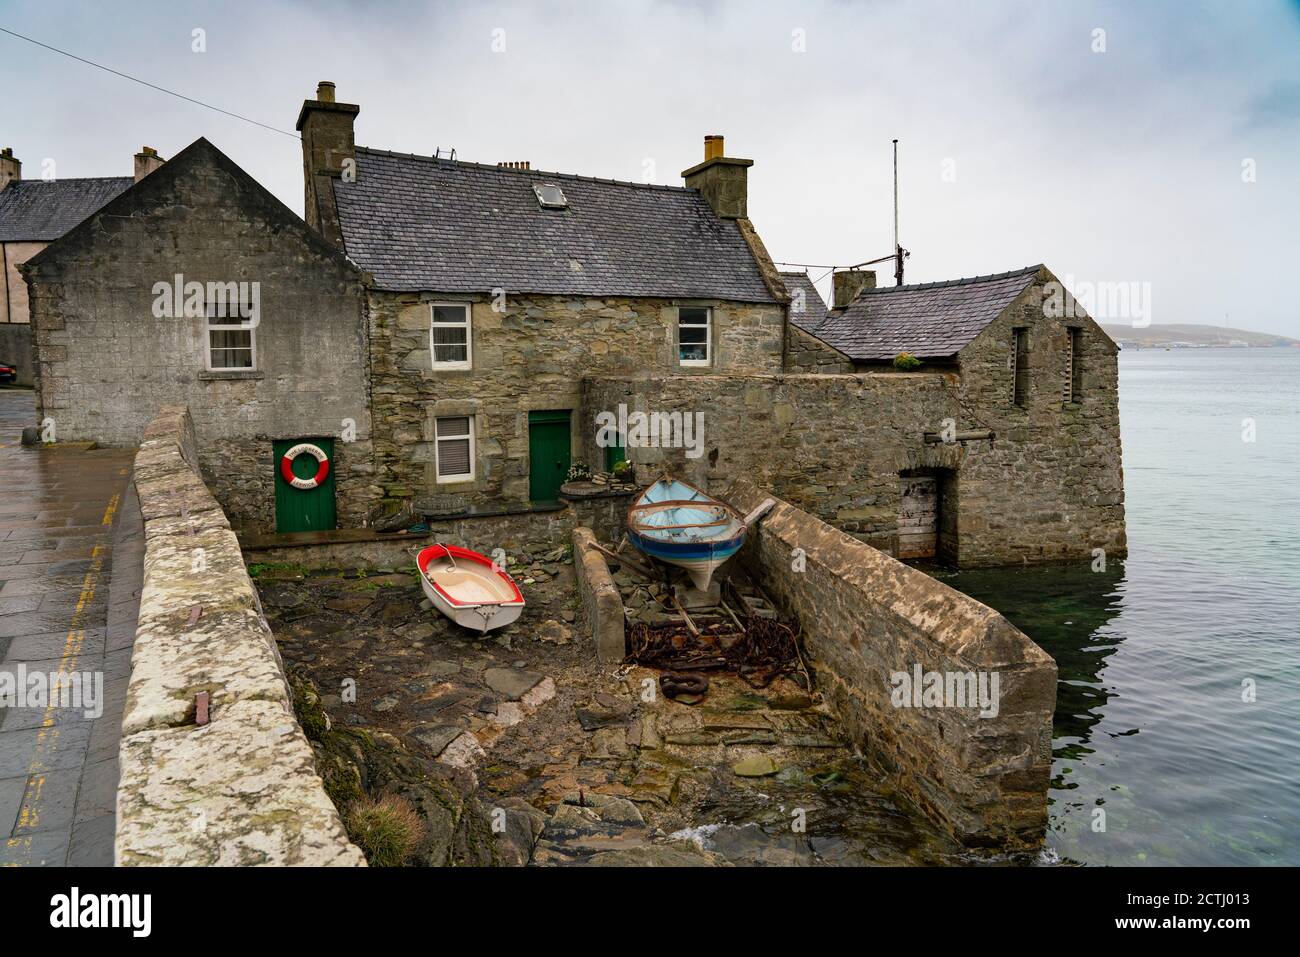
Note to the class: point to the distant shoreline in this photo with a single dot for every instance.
(1195, 336)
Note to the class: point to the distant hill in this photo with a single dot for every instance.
(1188, 335)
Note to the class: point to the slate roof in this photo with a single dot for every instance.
(814, 307)
(37, 209)
(417, 223)
(933, 320)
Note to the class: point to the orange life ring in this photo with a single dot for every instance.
(304, 448)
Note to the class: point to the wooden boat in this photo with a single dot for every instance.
(467, 588)
(675, 522)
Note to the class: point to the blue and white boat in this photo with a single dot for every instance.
(677, 523)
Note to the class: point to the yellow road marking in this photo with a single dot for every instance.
(48, 734)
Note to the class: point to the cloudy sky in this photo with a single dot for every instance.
(1164, 150)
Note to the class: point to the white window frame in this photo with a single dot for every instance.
(210, 327)
(708, 337)
(437, 442)
(467, 325)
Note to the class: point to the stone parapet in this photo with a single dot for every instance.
(241, 789)
(865, 618)
(602, 606)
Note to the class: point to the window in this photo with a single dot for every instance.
(231, 339)
(1073, 366)
(455, 448)
(550, 196)
(449, 337)
(1019, 366)
(694, 336)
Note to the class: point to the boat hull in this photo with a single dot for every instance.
(698, 559)
(480, 616)
(682, 525)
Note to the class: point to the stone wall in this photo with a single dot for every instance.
(243, 788)
(602, 606)
(518, 533)
(16, 347)
(831, 444)
(807, 353)
(1051, 485)
(864, 617)
(530, 355)
(1047, 487)
(15, 254)
(106, 362)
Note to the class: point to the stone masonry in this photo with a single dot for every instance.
(864, 617)
(531, 355)
(241, 789)
(107, 363)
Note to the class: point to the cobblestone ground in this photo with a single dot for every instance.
(617, 774)
(60, 509)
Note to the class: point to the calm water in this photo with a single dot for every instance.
(1150, 723)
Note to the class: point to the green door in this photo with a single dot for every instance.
(615, 454)
(549, 446)
(303, 510)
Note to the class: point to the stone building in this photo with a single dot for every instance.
(34, 213)
(197, 286)
(1002, 447)
(454, 334)
(493, 290)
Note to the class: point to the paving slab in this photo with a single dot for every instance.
(61, 516)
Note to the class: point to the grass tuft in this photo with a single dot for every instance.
(387, 829)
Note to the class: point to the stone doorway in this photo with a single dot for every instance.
(927, 515)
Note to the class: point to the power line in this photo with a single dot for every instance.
(152, 86)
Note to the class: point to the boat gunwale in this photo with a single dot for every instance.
(479, 559)
(638, 504)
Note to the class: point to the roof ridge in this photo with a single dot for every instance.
(488, 167)
(969, 280)
(69, 179)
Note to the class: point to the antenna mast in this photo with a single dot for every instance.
(898, 250)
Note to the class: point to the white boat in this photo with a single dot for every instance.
(468, 588)
(677, 523)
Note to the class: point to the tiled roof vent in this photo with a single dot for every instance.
(550, 196)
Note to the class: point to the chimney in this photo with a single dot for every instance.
(146, 161)
(516, 164)
(10, 168)
(849, 283)
(328, 152)
(721, 180)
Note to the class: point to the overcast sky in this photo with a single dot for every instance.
(1021, 140)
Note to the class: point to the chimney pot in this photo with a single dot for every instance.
(146, 161)
(10, 168)
(325, 91)
(850, 282)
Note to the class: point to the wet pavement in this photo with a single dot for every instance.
(60, 512)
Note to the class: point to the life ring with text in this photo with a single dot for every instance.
(305, 448)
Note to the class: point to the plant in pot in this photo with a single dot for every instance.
(578, 472)
(624, 471)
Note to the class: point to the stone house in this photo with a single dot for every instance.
(1002, 447)
(195, 285)
(34, 213)
(493, 290)
(453, 333)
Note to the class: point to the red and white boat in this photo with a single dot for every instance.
(468, 588)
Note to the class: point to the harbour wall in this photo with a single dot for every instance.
(866, 618)
(242, 788)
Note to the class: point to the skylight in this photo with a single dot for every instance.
(550, 196)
